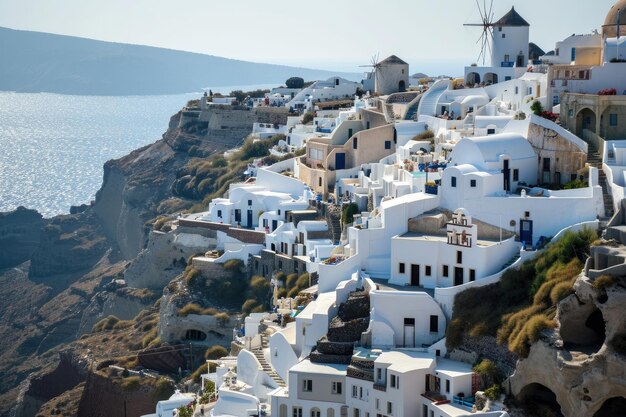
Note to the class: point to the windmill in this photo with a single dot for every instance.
(375, 66)
(486, 16)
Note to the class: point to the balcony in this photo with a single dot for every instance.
(507, 64)
(379, 386)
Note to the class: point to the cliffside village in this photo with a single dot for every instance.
(450, 183)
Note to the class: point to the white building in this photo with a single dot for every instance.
(391, 75)
(334, 88)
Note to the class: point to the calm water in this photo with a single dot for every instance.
(52, 147)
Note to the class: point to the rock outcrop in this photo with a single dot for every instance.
(20, 233)
(582, 364)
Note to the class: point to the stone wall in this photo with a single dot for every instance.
(268, 262)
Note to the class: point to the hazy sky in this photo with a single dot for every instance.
(327, 34)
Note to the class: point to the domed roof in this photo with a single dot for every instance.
(609, 28)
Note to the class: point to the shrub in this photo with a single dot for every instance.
(248, 305)
(294, 82)
(222, 319)
(575, 184)
(536, 108)
(185, 411)
(233, 265)
(488, 372)
(494, 392)
(348, 212)
(303, 281)
(308, 117)
(197, 374)
(604, 281)
(519, 343)
(454, 333)
(150, 338)
(163, 389)
(123, 324)
(209, 387)
(131, 383)
(290, 282)
(219, 162)
(561, 291)
(191, 308)
(215, 352)
(107, 323)
(427, 134)
(259, 289)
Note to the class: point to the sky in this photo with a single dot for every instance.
(337, 35)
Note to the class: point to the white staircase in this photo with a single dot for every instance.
(428, 103)
(267, 368)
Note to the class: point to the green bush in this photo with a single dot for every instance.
(494, 392)
(294, 82)
(488, 372)
(260, 289)
(185, 411)
(308, 117)
(303, 281)
(348, 212)
(215, 352)
(572, 185)
(536, 108)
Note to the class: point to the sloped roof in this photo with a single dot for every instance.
(534, 51)
(393, 60)
(512, 18)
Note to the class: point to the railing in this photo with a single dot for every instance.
(464, 401)
(380, 387)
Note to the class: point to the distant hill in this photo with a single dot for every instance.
(44, 62)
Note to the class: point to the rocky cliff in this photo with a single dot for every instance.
(20, 234)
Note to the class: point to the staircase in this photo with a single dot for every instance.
(428, 103)
(390, 116)
(412, 107)
(511, 261)
(595, 160)
(267, 368)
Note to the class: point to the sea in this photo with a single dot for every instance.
(53, 146)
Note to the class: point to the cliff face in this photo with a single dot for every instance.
(20, 233)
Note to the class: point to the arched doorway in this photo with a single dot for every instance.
(472, 79)
(540, 400)
(491, 78)
(283, 410)
(613, 407)
(402, 86)
(585, 120)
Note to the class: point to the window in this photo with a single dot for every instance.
(350, 132)
(361, 392)
(573, 54)
(378, 402)
(472, 183)
(389, 408)
(319, 181)
(613, 119)
(503, 35)
(516, 175)
(367, 124)
(447, 386)
(379, 374)
(527, 214)
(355, 143)
(280, 264)
(354, 391)
(387, 144)
(392, 381)
(453, 181)
(434, 324)
(219, 213)
(445, 271)
(401, 267)
(472, 276)
(337, 388)
(307, 384)
(315, 412)
(297, 412)
(506, 58)
(570, 113)
(357, 412)
(516, 90)
(249, 202)
(427, 272)
(459, 257)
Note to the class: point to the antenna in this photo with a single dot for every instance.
(486, 17)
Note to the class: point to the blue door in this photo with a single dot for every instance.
(340, 161)
(526, 232)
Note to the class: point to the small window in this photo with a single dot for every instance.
(437, 352)
(297, 412)
(337, 388)
(473, 183)
(392, 381)
(408, 321)
(357, 412)
(249, 202)
(219, 213)
(434, 324)
(319, 181)
(389, 408)
(472, 276)
(307, 385)
(453, 181)
(445, 271)
(613, 119)
(516, 90)
(527, 214)
(448, 386)
(377, 403)
(427, 272)
(401, 267)
(503, 35)
(355, 143)
(516, 175)
(354, 391)
(387, 144)
(459, 257)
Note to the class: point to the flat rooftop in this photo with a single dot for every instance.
(384, 285)
(320, 368)
(444, 238)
